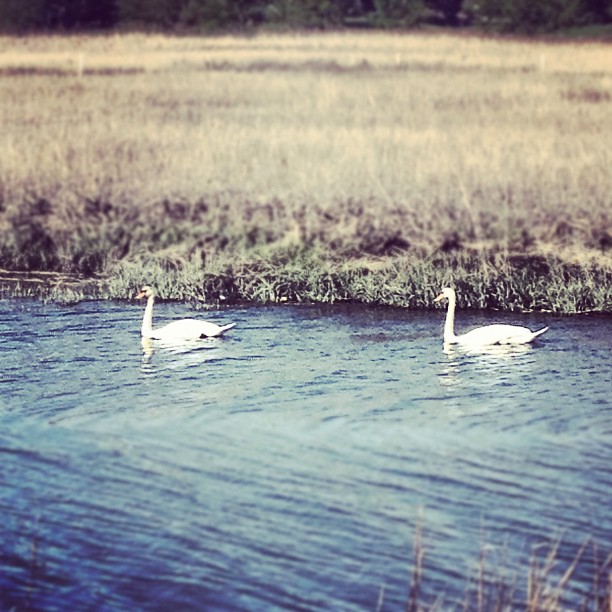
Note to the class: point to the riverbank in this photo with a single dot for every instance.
(325, 167)
(522, 283)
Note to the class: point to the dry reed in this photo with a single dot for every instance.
(549, 584)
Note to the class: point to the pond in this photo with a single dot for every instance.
(289, 465)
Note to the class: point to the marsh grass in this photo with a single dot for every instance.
(319, 167)
(548, 583)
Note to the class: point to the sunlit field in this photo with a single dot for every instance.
(371, 167)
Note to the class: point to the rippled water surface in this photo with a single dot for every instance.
(285, 466)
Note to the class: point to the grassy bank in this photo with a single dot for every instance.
(369, 167)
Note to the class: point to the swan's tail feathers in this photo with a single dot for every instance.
(224, 328)
(539, 332)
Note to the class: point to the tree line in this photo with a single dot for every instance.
(518, 16)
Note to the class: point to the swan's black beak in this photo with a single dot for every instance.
(440, 297)
(141, 295)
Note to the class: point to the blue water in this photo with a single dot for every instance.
(287, 465)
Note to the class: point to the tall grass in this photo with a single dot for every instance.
(550, 581)
(311, 167)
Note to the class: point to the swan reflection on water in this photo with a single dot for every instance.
(499, 351)
(183, 352)
(485, 365)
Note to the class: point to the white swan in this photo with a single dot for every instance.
(483, 336)
(184, 329)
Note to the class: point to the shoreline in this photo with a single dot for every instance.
(485, 281)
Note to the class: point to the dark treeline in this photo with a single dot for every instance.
(520, 16)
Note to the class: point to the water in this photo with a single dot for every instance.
(286, 466)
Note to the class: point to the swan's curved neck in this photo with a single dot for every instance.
(147, 321)
(449, 325)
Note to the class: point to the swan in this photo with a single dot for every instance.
(183, 329)
(483, 336)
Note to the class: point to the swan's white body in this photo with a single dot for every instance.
(483, 336)
(184, 329)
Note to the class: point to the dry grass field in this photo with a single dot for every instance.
(370, 166)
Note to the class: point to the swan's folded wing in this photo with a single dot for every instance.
(191, 329)
(497, 334)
